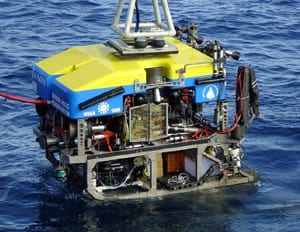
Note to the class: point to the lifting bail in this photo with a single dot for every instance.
(146, 29)
(143, 37)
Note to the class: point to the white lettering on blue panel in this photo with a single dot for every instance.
(89, 113)
(39, 78)
(116, 110)
(61, 105)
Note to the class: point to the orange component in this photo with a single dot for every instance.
(199, 133)
(108, 134)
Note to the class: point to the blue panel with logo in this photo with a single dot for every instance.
(209, 92)
(90, 103)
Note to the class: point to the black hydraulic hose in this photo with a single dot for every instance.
(137, 15)
(50, 155)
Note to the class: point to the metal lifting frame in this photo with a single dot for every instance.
(147, 29)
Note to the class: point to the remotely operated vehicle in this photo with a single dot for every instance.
(146, 114)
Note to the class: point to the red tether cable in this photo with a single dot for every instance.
(237, 116)
(23, 99)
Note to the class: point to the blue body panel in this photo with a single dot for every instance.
(42, 82)
(67, 101)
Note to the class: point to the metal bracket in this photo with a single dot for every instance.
(138, 87)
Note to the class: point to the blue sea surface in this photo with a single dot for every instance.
(266, 33)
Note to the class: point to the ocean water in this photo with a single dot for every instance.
(266, 33)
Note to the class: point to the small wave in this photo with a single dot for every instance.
(3, 194)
